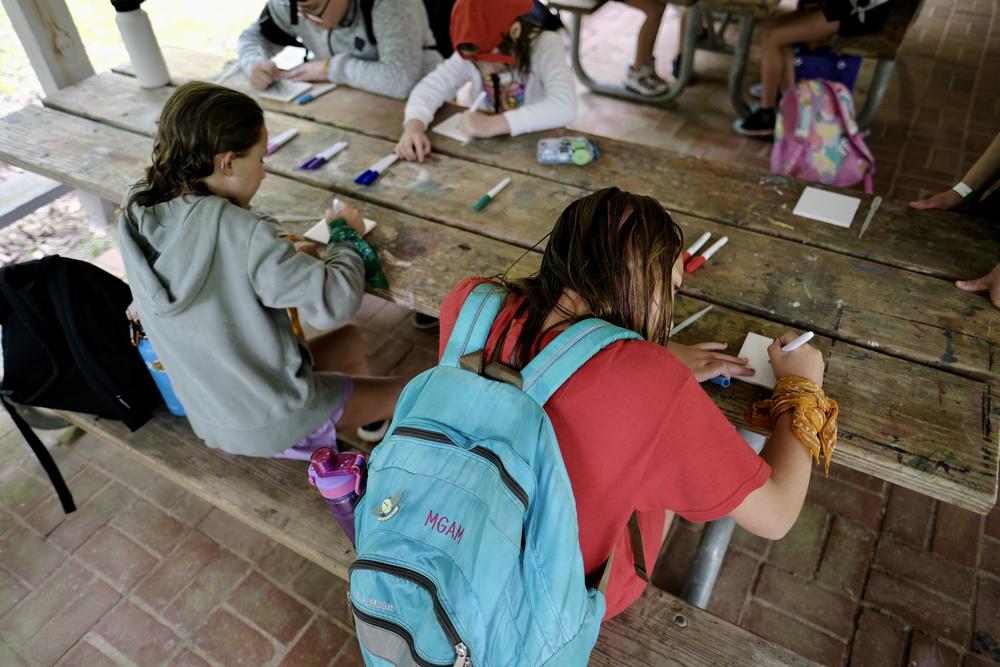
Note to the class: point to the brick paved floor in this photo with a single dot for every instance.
(147, 574)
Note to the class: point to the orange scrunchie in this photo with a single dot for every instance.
(814, 416)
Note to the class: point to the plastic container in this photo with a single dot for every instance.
(140, 42)
(567, 150)
(825, 64)
(149, 356)
(340, 479)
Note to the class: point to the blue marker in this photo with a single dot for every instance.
(315, 92)
(721, 380)
(369, 175)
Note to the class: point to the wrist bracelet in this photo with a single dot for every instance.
(963, 190)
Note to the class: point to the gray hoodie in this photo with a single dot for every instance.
(404, 51)
(211, 282)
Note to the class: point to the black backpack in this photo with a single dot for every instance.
(67, 346)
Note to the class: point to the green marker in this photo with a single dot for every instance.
(488, 197)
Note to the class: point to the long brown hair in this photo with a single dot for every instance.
(199, 121)
(616, 250)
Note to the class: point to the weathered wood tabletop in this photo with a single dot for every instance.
(909, 357)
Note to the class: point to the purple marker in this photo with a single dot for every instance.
(340, 479)
(281, 140)
(324, 156)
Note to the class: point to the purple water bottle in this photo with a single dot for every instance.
(340, 479)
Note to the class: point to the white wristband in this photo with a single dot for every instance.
(962, 189)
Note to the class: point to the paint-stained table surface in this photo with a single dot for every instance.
(909, 357)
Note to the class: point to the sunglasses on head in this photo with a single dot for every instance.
(294, 13)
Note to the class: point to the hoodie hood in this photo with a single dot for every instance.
(169, 249)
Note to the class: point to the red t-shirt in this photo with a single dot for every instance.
(636, 432)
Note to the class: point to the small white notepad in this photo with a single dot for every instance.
(755, 350)
(285, 91)
(320, 232)
(826, 206)
(449, 128)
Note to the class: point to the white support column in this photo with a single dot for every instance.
(56, 53)
(51, 40)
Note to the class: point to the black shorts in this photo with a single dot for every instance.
(851, 23)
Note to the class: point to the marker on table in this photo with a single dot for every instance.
(798, 342)
(368, 176)
(689, 321)
(488, 197)
(721, 380)
(695, 247)
(281, 140)
(480, 98)
(693, 265)
(324, 156)
(315, 92)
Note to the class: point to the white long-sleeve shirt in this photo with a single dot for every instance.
(549, 90)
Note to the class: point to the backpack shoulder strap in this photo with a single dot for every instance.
(472, 328)
(568, 352)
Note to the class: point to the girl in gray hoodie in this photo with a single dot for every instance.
(212, 282)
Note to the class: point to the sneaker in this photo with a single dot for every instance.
(373, 432)
(645, 81)
(421, 321)
(760, 123)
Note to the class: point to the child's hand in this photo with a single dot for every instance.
(311, 70)
(706, 362)
(481, 125)
(414, 144)
(350, 215)
(263, 74)
(805, 361)
(945, 201)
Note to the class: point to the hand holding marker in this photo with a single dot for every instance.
(324, 156)
(720, 380)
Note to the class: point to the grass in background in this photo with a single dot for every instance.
(206, 25)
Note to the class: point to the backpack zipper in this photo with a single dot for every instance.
(401, 632)
(462, 658)
(483, 452)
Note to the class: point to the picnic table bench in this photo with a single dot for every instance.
(272, 496)
(917, 410)
(922, 349)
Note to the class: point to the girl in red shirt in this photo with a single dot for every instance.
(636, 431)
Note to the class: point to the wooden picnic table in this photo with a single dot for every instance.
(909, 357)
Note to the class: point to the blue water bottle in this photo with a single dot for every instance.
(155, 367)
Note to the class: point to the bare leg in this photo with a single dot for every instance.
(647, 33)
(374, 398)
(340, 351)
(777, 39)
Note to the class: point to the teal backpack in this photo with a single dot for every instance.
(467, 543)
